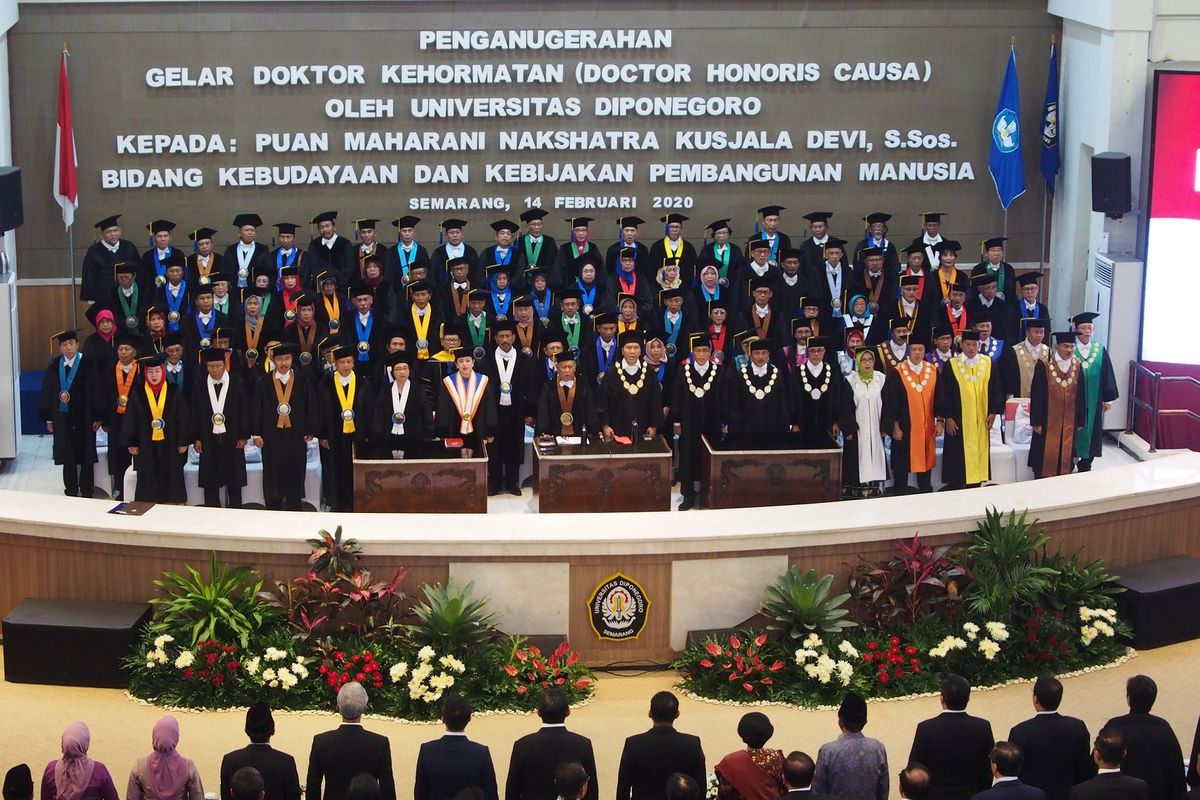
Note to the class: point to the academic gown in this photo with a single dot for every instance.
(698, 403)
(243, 339)
(408, 328)
(159, 465)
(617, 408)
(786, 296)
(728, 263)
(296, 258)
(644, 291)
(449, 421)
(749, 414)
(418, 420)
(367, 362)
(138, 302)
(452, 299)
(509, 446)
(284, 450)
(816, 416)
(192, 338)
(893, 310)
(687, 258)
(1017, 368)
(908, 402)
(819, 287)
(891, 256)
(678, 348)
(1006, 278)
(74, 439)
(99, 351)
(337, 461)
(966, 458)
(1100, 384)
(722, 341)
(438, 273)
(936, 295)
(180, 379)
(581, 325)
(191, 272)
(309, 359)
(666, 373)
(161, 297)
(594, 361)
(96, 272)
(400, 260)
(147, 272)
(529, 338)
(339, 260)
(1005, 325)
(221, 462)
(549, 410)
(863, 460)
(528, 255)
(340, 309)
(257, 262)
(1059, 408)
(108, 398)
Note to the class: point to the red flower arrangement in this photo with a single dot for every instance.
(530, 669)
(894, 663)
(209, 656)
(742, 663)
(343, 668)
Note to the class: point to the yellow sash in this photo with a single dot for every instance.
(421, 326)
(156, 411)
(345, 396)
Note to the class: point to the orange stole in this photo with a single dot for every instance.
(922, 447)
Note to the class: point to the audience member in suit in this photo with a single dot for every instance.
(650, 758)
(852, 766)
(954, 746)
(756, 772)
(276, 769)
(1056, 747)
(536, 757)
(448, 765)
(1110, 782)
(1152, 752)
(1193, 773)
(339, 755)
(571, 781)
(798, 771)
(1005, 760)
(914, 782)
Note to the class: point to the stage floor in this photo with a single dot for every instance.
(32, 719)
(33, 470)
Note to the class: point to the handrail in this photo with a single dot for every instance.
(1156, 379)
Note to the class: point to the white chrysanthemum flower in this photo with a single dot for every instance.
(848, 649)
(998, 631)
(159, 641)
(1087, 634)
(398, 671)
(971, 629)
(161, 656)
(811, 670)
(988, 648)
(300, 670)
(1104, 627)
(251, 665)
(845, 672)
(812, 640)
(426, 653)
(432, 697)
(185, 660)
(149, 664)
(453, 664)
(268, 674)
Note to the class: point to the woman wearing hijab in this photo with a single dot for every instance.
(864, 466)
(755, 773)
(860, 315)
(99, 347)
(75, 776)
(855, 337)
(401, 416)
(164, 774)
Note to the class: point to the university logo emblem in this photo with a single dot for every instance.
(1050, 125)
(1005, 131)
(618, 609)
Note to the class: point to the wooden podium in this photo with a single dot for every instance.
(430, 479)
(599, 477)
(776, 470)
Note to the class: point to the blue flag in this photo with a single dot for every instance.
(1005, 163)
(1051, 161)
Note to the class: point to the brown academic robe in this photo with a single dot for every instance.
(1058, 406)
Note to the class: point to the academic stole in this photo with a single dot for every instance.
(124, 385)
(572, 331)
(283, 396)
(762, 325)
(129, 304)
(333, 311)
(204, 266)
(459, 298)
(477, 328)
(946, 284)
(959, 326)
(421, 326)
(290, 305)
(156, 410)
(532, 253)
(466, 398)
(566, 399)
(525, 336)
(718, 339)
(306, 342)
(722, 260)
(345, 396)
(874, 288)
(65, 381)
(623, 326)
(217, 402)
(628, 287)
(399, 401)
(253, 334)
(677, 252)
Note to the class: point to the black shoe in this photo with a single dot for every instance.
(687, 504)
(527, 483)
(515, 491)
(493, 491)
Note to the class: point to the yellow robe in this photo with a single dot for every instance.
(973, 388)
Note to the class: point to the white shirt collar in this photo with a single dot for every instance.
(111, 248)
(1063, 366)
(554, 724)
(760, 371)
(566, 385)
(702, 368)
(284, 379)
(631, 369)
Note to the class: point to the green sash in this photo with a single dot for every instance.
(1091, 388)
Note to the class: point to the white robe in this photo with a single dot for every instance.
(868, 404)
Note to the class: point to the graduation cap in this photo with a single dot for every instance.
(153, 360)
(406, 222)
(361, 289)
(790, 253)
(655, 334)
(718, 302)
(877, 216)
(673, 218)
(63, 336)
(622, 297)
(699, 340)
(289, 271)
(343, 351)
(603, 318)
(910, 280)
(452, 224)
(155, 311)
(552, 337)
(202, 233)
(627, 252)
(1064, 336)
(241, 220)
(176, 259)
(504, 225)
(305, 299)
(161, 226)
(630, 222)
(458, 261)
(960, 285)
(1034, 322)
(128, 338)
(463, 352)
(478, 295)
(201, 290)
(995, 241)
(1026, 278)
(252, 291)
(503, 325)
(900, 322)
(719, 224)
(833, 241)
(983, 279)
(1085, 317)
(802, 322)
(931, 216)
(171, 339)
(534, 213)
(761, 282)
(758, 243)
(125, 268)
(629, 337)
(705, 262)
(286, 349)
(418, 286)
(579, 222)
(810, 302)
(495, 269)
(667, 294)
(771, 211)
(918, 336)
(942, 330)
(970, 335)
(855, 330)
(210, 354)
(760, 344)
(108, 222)
(324, 216)
(590, 257)
(93, 311)
(819, 216)
(947, 245)
(525, 301)
(871, 252)
(365, 224)
(286, 227)
(398, 357)
(565, 356)
(916, 246)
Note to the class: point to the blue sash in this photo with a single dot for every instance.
(364, 334)
(65, 381)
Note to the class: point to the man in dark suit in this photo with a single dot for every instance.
(1056, 748)
(650, 758)
(1152, 752)
(798, 771)
(448, 765)
(338, 755)
(536, 757)
(1110, 783)
(277, 769)
(1005, 760)
(954, 746)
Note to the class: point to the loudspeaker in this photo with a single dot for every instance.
(1112, 192)
(12, 210)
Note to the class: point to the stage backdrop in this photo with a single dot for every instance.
(199, 111)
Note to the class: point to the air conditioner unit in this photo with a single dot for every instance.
(1114, 291)
(10, 366)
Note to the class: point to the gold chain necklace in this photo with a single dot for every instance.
(700, 391)
(632, 388)
(808, 387)
(1071, 373)
(760, 393)
(970, 373)
(927, 371)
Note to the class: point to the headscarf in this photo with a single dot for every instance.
(865, 319)
(73, 771)
(168, 769)
(661, 279)
(104, 314)
(864, 374)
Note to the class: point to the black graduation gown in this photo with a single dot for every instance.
(191, 272)
(812, 258)
(1005, 324)
(748, 414)
(536, 333)
(138, 307)
(1108, 393)
(891, 256)
(819, 287)
(96, 273)
(947, 404)
(549, 410)
(147, 271)
(445, 295)
(417, 257)
(74, 438)
(192, 340)
(594, 363)
(509, 446)
(337, 461)
(893, 310)
(98, 351)
(547, 259)
(687, 324)
(644, 291)
(408, 328)
(787, 296)
(159, 465)
(1007, 283)
(418, 420)
(617, 408)
(641, 260)
(340, 260)
(449, 422)
(284, 451)
(816, 415)
(887, 292)
(180, 379)
(687, 259)
(367, 363)
(184, 307)
(736, 259)
(666, 373)
(740, 291)
(568, 263)
(221, 462)
(296, 258)
(582, 324)
(697, 416)
(438, 273)
(934, 296)
(258, 262)
(1039, 401)
(542, 373)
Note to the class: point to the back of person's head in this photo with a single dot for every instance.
(1048, 691)
(364, 787)
(1008, 758)
(1110, 747)
(755, 729)
(246, 784)
(853, 712)
(664, 708)
(914, 781)
(260, 725)
(570, 779)
(1142, 691)
(956, 691)
(798, 769)
(456, 713)
(352, 700)
(18, 783)
(553, 707)
(682, 787)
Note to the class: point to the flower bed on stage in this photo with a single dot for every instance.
(223, 641)
(997, 609)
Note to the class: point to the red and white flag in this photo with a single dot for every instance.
(66, 162)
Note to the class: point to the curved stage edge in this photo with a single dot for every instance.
(699, 570)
